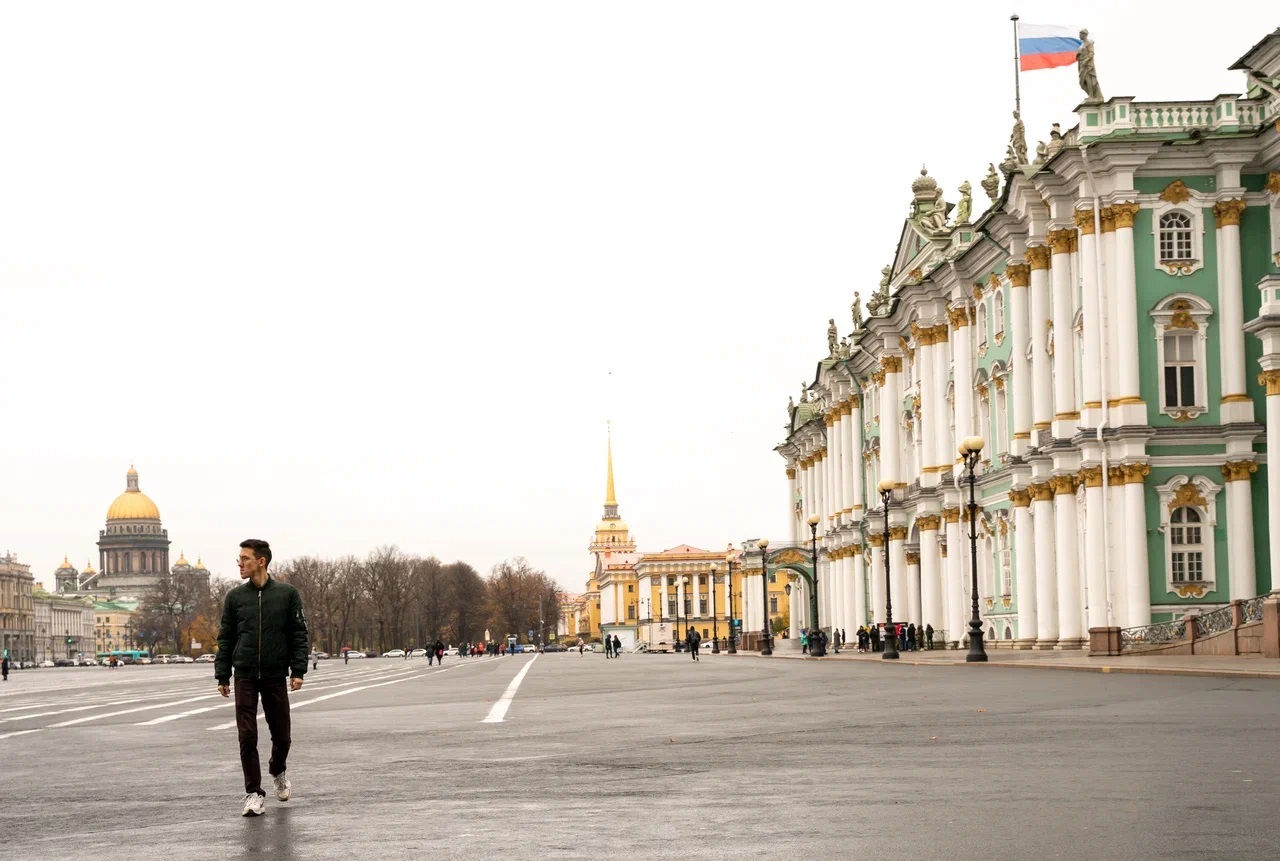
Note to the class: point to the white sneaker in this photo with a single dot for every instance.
(254, 804)
(282, 786)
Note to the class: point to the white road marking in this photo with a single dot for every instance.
(19, 732)
(498, 713)
(293, 706)
(76, 709)
(129, 711)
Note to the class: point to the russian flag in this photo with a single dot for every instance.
(1046, 46)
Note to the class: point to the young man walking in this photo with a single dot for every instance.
(263, 637)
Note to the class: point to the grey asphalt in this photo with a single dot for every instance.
(650, 756)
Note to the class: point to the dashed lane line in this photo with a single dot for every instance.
(498, 713)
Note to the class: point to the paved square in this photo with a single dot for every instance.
(648, 757)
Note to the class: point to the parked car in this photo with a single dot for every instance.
(205, 659)
(45, 663)
(371, 654)
(452, 651)
(394, 653)
(418, 653)
(554, 647)
(354, 654)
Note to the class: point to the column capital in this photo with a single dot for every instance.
(1270, 379)
(1239, 470)
(1090, 476)
(1038, 256)
(913, 557)
(1064, 241)
(1135, 473)
(928, 522)
(1228, 212)
(891, 364)
(1084, 221)
(1116, 475)
(1041, 492)
(1020, 498)
(854, 402)
(875, 539)
(791, 473)
(951, 515)
(1124, 214)
(959, 317)
(1108, 216)
(1019, 274)
(940, 333)
(897, 533)
(1063, 485)
(854, 550)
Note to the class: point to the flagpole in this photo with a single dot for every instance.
(1017, 68)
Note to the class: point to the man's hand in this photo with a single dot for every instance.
(295, 683)
(225, 690)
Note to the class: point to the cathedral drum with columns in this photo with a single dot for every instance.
(133, 548)
(1096, 326)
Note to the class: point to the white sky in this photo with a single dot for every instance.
(338, 275)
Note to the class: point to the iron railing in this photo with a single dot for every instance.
(1153, 635)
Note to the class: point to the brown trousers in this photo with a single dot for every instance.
(275, 707)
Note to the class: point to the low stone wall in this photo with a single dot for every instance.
(1244, 636)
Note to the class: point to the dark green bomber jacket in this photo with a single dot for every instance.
(263, 634)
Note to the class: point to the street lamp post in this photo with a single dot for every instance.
(728, 597)
(814, 625)
(971, 450)
(890, 652)
(715, 629)
(765, 646)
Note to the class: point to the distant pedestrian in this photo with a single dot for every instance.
(4, 668)
(875, 638)
(928, 636)
(581, 647)
(911, 637)
(617, 646)
(694, 641)
(346, 656)
(263, 637)
(438, 648)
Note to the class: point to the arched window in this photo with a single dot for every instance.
(1175, 237)
(998, 313)
(1186, 545)
(1181, 323)
(982, 327)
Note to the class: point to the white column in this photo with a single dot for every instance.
(1067, 554)
(1095, 530)
(957, 553)
(898, 572)
(943, 448)
(747, 608)
(1046, 573)
(859, 587)
(680, 595)
(1243, 576)
(1136, 567)
(962, 377)
(1042, 390)
(796, 610)
(914, 610)
(1019, 331)
(1271, 379)
(849, 577)
(1119, 542)
(876, 576)
(835, 447)
(854, 465)
(930, 412)
(1024, 561)
(791, 499)
(930, 572)
(1066, 414)
(1124, 334)
(890, 406)
(1237, 406)
(1091, 379)
(662, 609)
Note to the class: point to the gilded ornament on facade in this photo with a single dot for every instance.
(915, 274)
(915, 405)
(1084, 221)
(913, 557)
(1179, 268)
(1061, 241)
(791, 473)
(1273, 178)
(940, 333)
(1181, 318)
(959, 317)
(1019, 274)
(1042, 492)
(1108, 217)
(951, 515)
(1176, 192)
(790, 557)
(876, 539)
(1270, 379)
(1124, 214)
(1020, 498)
(1187, 495)
(1090, 476)
(1192, 590)
(891, 364)
(1228, 212)
(897, 533)
(1239, 470)
(1063, 484)
(928, 522)
(1038, 257)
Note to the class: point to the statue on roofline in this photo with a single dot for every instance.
(833, 338)
(1088, 70)
(965, 207)
(991, 185)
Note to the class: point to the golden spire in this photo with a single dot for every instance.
(608, 493)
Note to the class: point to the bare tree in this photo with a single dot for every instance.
(387, 575)
(520, 598)
(432, 599)
(468, 599)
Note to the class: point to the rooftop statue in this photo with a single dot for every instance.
(1088, 70)
(1016, 154)
(965, 207)
(833, 338)
(804, 392)
(856, 308)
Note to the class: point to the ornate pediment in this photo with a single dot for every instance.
(791, 556)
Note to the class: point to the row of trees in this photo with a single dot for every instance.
(388, 600)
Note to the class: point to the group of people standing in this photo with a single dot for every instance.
(909, 637)
(612, 646)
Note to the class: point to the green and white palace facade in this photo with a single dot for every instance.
(1111, 327)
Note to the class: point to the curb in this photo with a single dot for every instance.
(1027, 665)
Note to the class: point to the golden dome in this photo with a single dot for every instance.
(133, 504)
(88, 568)
(182, 560)
(200, 565)
(66, 565)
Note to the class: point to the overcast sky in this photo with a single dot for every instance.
(339, 275)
